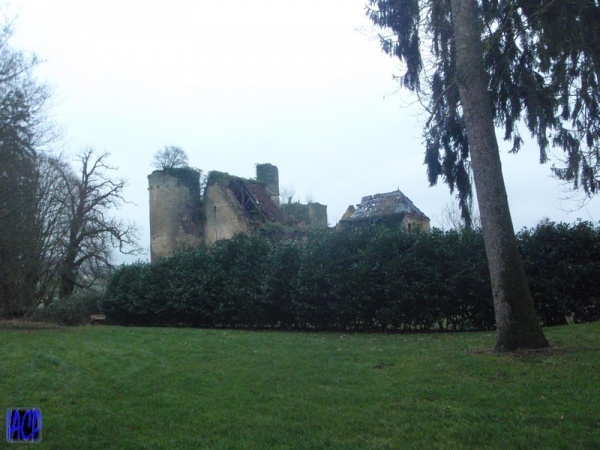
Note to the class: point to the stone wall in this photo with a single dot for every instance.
(223, 217)
(412, 222)
(317, 215)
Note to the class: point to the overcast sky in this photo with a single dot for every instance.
(302, 85)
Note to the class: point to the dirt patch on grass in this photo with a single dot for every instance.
(19, 324)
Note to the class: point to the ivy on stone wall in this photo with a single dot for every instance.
(187, 177)
(215, 176)
(266, 174)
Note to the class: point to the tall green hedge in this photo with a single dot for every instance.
(359, 279)
(562, 262)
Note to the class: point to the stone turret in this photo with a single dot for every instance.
(175, 214)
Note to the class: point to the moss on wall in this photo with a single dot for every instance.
(222, 178)
(187, 177)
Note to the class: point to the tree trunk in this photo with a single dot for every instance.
(68, 269)
(516, 320)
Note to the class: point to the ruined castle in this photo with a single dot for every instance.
(181, 216)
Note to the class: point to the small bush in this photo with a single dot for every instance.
(73, 310)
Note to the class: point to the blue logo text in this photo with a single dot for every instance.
(23, 425)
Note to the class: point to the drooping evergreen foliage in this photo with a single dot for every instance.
(359, 279)
(565, 38)
(543, 63)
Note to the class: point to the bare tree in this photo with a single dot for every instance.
(52, 219)
(287, 194)
(452, 219)
(91, 233)
(170, 157)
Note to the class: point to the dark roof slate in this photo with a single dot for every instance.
(385, 205)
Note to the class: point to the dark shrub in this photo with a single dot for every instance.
(562, 263)
(125, 301)
(73, 310)
(283, 302)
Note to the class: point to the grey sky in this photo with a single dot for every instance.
(297, 84)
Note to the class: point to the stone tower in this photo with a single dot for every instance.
(268, 175)
(175, 211)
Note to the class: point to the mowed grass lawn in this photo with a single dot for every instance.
(163, 388)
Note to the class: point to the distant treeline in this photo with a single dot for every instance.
(359, 279)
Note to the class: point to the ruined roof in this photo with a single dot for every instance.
(251, 197)
(264, 201)
(385, 205)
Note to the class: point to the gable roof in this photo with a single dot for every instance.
(385, 205)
